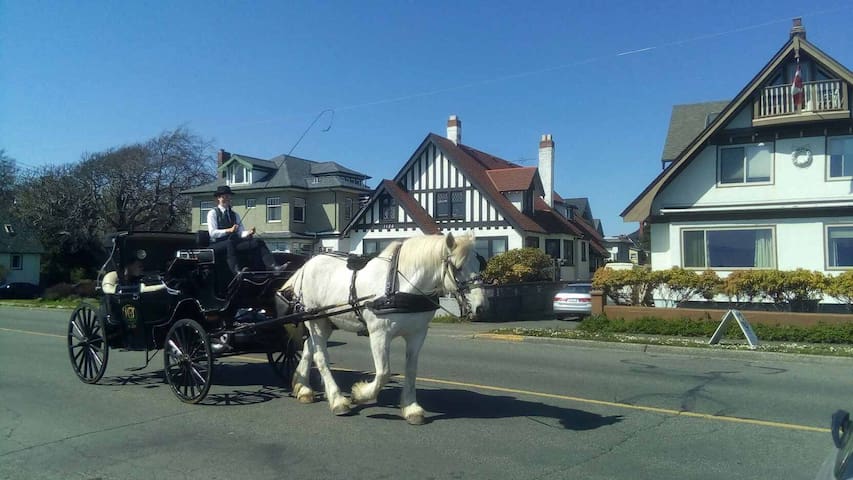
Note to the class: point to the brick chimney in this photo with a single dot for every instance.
(797, 29)
(546, 167)
(222, 156)
(454, 129)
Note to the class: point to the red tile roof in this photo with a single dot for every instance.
(413, 208)
(512, 179)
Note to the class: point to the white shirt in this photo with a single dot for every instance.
(216, 232)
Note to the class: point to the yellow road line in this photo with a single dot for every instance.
(32, 333)
(589, 401)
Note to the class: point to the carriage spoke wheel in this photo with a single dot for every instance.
(284, 362)
(188, 361)
(87, 343)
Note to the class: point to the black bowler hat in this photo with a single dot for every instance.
(222, 190)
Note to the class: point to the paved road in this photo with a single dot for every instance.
(496, 409)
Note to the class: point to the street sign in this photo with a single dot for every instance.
(751, 338)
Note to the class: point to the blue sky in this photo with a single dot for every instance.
(600, 76)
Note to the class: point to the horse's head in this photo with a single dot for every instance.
(461, 274)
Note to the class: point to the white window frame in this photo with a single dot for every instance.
(299, 205)
(232, 174)
(829, 140)
(203, 208)
(826, 249)
(19, 265)
(705, 230)
(273, 204)
(745, 167)
(251, 203)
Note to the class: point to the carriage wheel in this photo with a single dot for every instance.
(188, 361)
(87, 343)
(284, 362)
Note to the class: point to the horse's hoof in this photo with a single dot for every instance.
(305, 398)
(415, 419)
(303, 394)
(342, 408)
(357, 393)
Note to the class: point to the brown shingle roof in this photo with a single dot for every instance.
(413, 208)
(512, 179)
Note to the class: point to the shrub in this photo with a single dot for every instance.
(841, 287)
(680, 285)
(627, 287)
(60, 290)
(518, 265)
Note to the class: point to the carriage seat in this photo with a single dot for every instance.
(109, 285)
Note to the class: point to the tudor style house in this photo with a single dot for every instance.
(20, 255)
(764, 180)
(446, 186)
(295, 204)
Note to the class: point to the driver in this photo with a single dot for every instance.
(228, 235)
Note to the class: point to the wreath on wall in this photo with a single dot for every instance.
(802, 157)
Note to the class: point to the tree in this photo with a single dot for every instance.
(74, 207)
(138, 187)
(8, 178)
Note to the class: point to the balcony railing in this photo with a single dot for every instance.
(822, 96)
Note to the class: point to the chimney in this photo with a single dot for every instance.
(797, 29)
(546, 167)
(454, 129)
(221, 157)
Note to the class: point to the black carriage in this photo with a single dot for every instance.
(168, 291)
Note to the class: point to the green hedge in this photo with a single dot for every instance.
(821, 333)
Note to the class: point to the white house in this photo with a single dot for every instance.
(764, 180)
(446, 186)
(20, 255)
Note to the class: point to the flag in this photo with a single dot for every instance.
(797, 88)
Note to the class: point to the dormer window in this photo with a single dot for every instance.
(238, 174)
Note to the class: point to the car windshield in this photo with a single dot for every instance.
(577, 289)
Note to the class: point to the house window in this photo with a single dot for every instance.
(552, 248)
(347, 208)
(298, 209)
(841, 157)
(387, 209)
(273, 209)
(203, 208)
(239, 174)
(278, 246)
(569, 252)
(250, 203)
(745, 164)
(489, 247)
(531, 242)
(839, 246)
(728, 248)
(375, 246)
(17, 262)
(315, 180)
(583, 251)
(450, 204)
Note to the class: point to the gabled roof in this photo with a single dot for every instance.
(287, 171)
(640, 207)
(581, 204)
(17, 239)
(474, 164)
(414, 209)
(515, 179)
(685, 123)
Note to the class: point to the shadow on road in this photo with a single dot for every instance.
(449, 404)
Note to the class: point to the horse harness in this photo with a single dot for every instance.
(393, 301)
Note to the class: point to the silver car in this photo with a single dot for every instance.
(573, 300)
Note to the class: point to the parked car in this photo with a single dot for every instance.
(19, 290)
(573, 300)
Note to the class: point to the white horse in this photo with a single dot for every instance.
(399, 292)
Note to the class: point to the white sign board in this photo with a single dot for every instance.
(751, 338)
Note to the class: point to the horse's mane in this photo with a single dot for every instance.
(429, 250)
